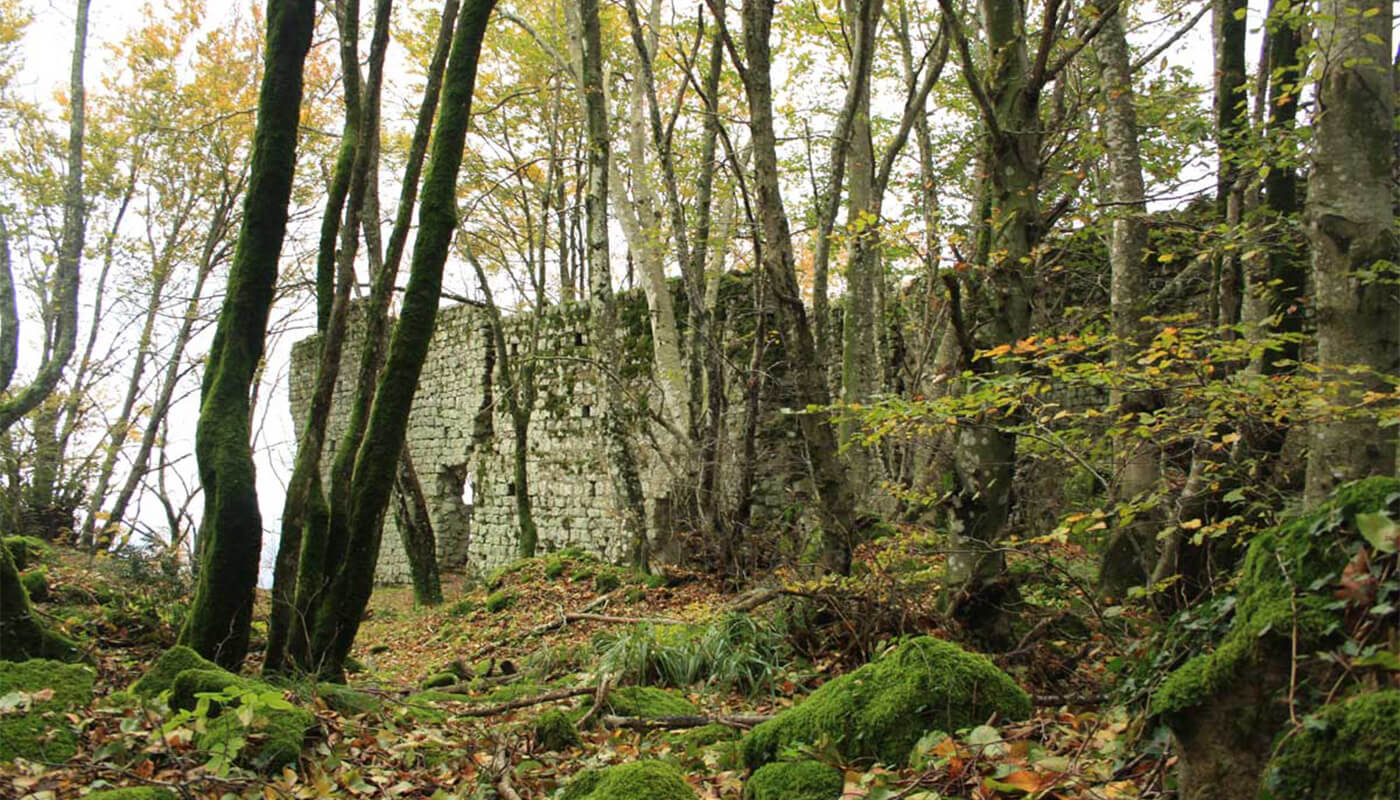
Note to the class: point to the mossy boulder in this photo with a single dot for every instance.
(640, 780)
(795, 780)
(133, 793)
(554, 731)
(27, 550)
(647, 701)
(555, 567)
(705, 736)
(36, 585)
(439, 680)
(1348, 752)
(499, 601)
(161, 676)
(42, 733)
(880, 710)
(347, 701)
(1226, 707)
(274, 737)
(605, 582)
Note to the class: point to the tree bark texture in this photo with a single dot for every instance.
(1350, 224)
(221, 612)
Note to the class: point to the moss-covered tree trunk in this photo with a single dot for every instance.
(416, 531)
(336, 619)
(221, 612)
(1350, 224)
(21, 635)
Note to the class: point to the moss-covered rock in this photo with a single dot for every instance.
(36, 584)
(640, 780)
(1226, 707)
(161, 676)
(272, 739)
(647, 701)
(1349, 752)
(439, 680)
(606, 582)
(555, 567)
(499, 601)
(705, 736)
(880, 710)
(189, 684)
(795, 780)
(554, 731)
(347, 701)
(133, 793)
(43, 733)
(27, 550)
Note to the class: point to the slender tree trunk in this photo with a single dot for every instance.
(221, 612)
(416, 530)
(627, 483)
(70, 251)
(1130, 552)
(834, 492)
(1350, 223)
(1231, 123)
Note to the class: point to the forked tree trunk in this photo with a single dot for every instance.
(336, 618)
(231, 534)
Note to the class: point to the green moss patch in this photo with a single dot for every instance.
(795, 780)
(439, 680)
(880, 710)
(271, 741)
(348, 701)
(1313, 548)
(554, 731)
(36, 585)
(27, 550)
(133, 793)
(161, 676)
(705, 736)
(42, 732)
(1347, 752)
(640, 780)
(647, 701)
(499, 601)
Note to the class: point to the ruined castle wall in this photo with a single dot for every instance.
(468, 480)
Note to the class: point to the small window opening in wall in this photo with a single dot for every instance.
(592, 488)
(578, 339)
(515, 348)
(587, 411)
(510, 489)
(468, 491)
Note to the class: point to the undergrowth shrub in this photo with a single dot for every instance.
(737, 652)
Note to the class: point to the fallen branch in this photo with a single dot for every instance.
(500, 768)
(523, 702)
(538, 630)
(586, 617)
(684, 721)
(1070, 699)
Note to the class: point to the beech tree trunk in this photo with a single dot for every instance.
(622, 463)
(1350, 224)
(231, 533)
(1130, 552)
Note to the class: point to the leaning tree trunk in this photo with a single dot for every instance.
(337, 617)
(1231, 123)
(1130, 553)
(221, 612)
(70, 256)
(829, 475)
(1350, 224)
(416, 531)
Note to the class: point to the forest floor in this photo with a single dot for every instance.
(516, 636)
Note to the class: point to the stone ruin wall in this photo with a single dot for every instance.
(569, 480)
